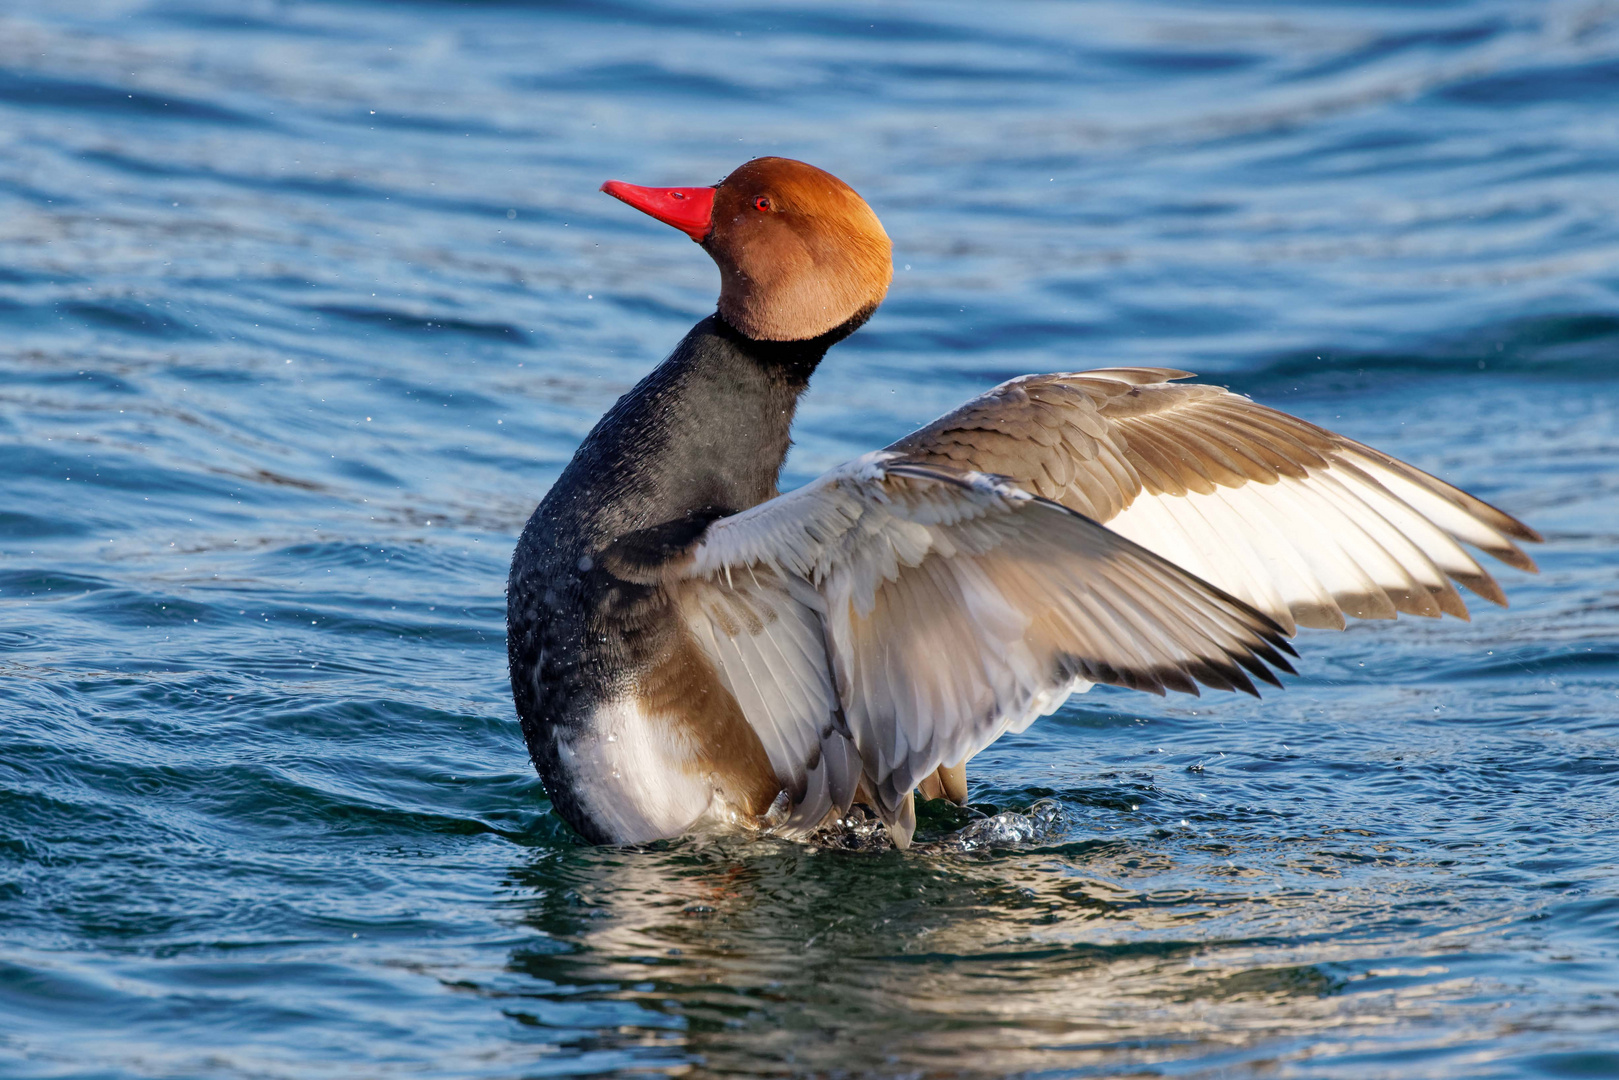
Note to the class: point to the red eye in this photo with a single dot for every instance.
(762, 204)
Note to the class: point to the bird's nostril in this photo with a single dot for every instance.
(676, 195)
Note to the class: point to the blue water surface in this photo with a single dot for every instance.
(303, 305)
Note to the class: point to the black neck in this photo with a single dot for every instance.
(704, 434)
(795, 360)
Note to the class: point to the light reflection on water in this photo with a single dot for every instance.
(1109, 955)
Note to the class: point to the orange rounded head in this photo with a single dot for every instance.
(800, 254)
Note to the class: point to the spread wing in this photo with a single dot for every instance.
(1299, 522)
(896, 616)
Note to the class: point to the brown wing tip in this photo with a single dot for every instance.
(1271, 652)
(1256, 667)
(1522, 531)
(1483, 585)
(1513, 556)
(1495, 517)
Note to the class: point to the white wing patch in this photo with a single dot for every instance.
(1355, 539)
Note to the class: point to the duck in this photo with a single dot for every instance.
(692, 649)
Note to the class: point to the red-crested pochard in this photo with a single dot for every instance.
(689, 648)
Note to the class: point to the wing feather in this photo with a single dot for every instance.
(950, 607)
(1304, 524)
(905, 610)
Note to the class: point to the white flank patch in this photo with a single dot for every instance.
(630, 773)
